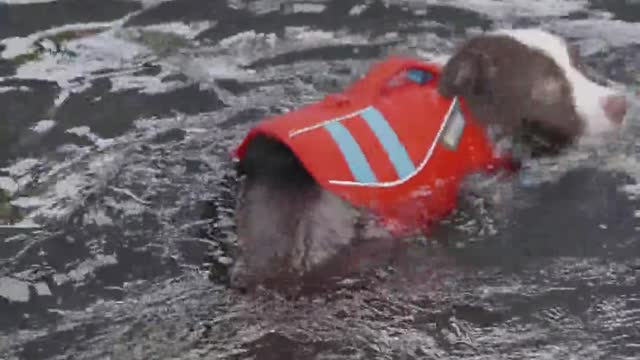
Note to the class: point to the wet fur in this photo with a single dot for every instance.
(313, 236)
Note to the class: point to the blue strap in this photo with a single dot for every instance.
(396, 152)
(352, 153)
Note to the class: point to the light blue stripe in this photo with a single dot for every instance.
(389, 139)
(420, 76)
(357, 162)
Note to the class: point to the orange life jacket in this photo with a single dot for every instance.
(389, 143)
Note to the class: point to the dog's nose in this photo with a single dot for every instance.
(615, 107)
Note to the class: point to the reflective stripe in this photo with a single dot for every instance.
(396, 152)
(352, 153)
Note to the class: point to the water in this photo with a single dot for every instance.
(114, 141)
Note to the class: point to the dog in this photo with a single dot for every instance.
(524, 84)
(533, 82)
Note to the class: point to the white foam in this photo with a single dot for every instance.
(8, 184)
(246, 47)
(79, 130)
(24, 224)
(307, 34)
(85, 131)
(14, 290)
(43, 126)
(605, 32)
(42, 289)
(498, 9)
(27, 202)
(145, 84)
(85, 268)
(98, 217)
(68, 187)
(105, 50)
(16, 46)
(358, 9)
(21, 167)
(207, 69)
(152, 3)
(188, 31)
(4, 89)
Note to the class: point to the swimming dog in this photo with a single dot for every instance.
(527, 83)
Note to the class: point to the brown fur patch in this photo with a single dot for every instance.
(508, 84)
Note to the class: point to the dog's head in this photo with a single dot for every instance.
(532, 83)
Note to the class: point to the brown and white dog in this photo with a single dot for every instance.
(533, 82)
(527, 83)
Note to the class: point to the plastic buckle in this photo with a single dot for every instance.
(419, 76)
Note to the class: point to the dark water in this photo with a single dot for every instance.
(114, 146)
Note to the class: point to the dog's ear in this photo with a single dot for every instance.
(466, 73)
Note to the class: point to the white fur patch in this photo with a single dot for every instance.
(588, 96)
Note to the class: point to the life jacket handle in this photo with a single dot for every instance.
(398, 65)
